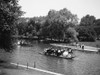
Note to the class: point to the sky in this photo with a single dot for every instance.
(79, 7)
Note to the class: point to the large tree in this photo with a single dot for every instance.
(86, 33)
(63, 15)
(88, 20)
(57, 22)
(9, 14)
(86, 28)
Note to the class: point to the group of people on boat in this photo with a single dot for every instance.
(58, 52)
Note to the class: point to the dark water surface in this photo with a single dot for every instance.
(85, 63)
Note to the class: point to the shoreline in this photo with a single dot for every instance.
(77, 47)
(8, 68)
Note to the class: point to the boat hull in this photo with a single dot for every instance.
(57, 56)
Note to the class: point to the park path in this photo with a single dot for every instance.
(14, 69)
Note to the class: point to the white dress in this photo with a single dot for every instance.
(65, 53)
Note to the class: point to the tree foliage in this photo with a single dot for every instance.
(57, 22)
(9, 14)
(63, 15)
(87, 20)
(72, 33)
(97, 22)
(86, 33)
(87, 28)
(54, 25)
(61, 24)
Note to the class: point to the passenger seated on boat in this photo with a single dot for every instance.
(69, 55)
(55, 52)
(59, 52)
(62, 50)
(49, 51)
(70, 50)
(52, 51)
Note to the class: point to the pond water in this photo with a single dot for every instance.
(85, 63)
